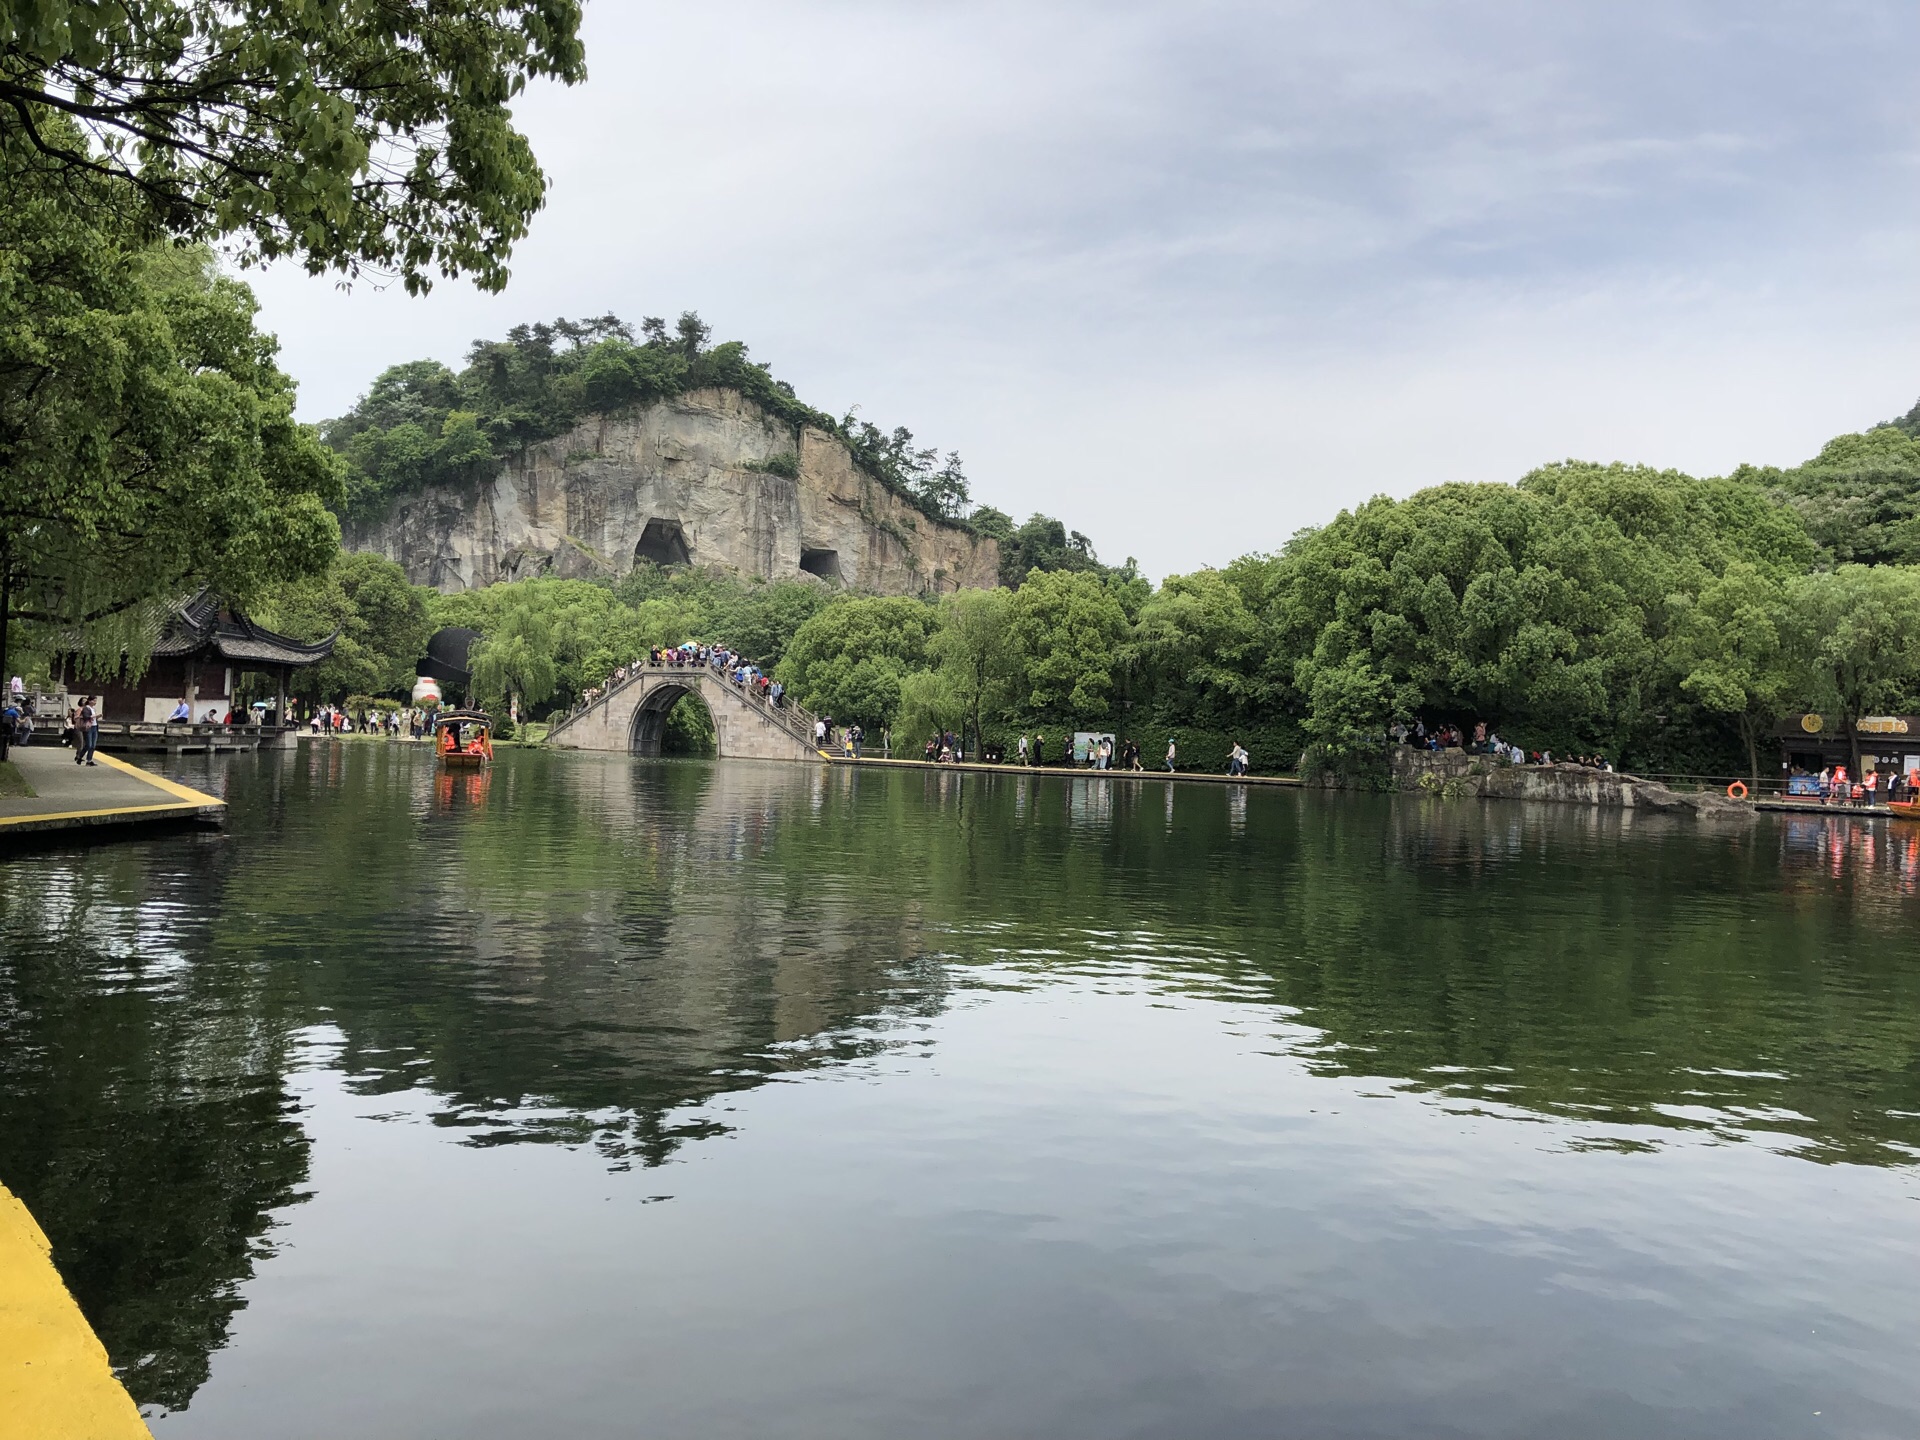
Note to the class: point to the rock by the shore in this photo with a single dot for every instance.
(1454, 772)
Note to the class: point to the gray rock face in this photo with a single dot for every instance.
(670, 482)
(1453, 772)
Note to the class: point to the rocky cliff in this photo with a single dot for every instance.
(677, 482)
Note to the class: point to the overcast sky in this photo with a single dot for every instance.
(1192, 276)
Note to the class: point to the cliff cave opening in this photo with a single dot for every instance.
(824, 563)
(664, 543)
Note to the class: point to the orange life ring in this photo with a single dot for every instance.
(1737, 790)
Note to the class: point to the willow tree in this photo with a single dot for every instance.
(514, 663)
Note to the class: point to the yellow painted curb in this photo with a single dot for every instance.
(160, 782)
(127, 810)
(55, 1383)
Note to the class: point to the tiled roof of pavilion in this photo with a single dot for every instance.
(202, 626)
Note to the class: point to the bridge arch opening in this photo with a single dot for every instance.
(674, 720)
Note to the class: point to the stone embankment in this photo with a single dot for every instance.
(1456, 773)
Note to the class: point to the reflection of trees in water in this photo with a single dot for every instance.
(1617, 969)
(591, 951)
(1609, 968)
(143, 1118)
(571, 958)
(594, 956)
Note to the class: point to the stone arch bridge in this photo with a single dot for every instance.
(630, 716)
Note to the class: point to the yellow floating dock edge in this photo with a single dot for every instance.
(55, 1382)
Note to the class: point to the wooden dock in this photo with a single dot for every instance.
(177, 737)
(107, 798)
(1817, 807)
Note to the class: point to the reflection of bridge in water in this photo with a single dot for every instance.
(630, 717)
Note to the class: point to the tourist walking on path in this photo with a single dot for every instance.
(1039, 750)
(1171, 755)
(87, 737)
(1021, 750)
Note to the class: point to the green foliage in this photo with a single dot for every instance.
(1043, 543)
(379, 621)
(689, 729)
(1197, 651)
(146, 434)
(1857, 639)
(786, 464)
(1859, 497)
(929, 705)
(755, 617)
(586, 629)
(1065, 631)
(1731, 645)
(515, 660)
(1546, 609)
(343, 135)
(850, 660)
(976, 662)
(937, 487)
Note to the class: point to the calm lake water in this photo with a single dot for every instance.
(597, 1097)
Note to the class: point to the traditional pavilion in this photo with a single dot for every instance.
(203, 650)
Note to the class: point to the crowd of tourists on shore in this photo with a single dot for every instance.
(1836, 786)
(1446, 736)
(412, 723)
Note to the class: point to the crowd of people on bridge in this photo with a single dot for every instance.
(722, 660)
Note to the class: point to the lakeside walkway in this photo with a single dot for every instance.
(1076, 772)
(109, 796)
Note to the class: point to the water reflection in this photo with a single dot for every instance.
(597, 953)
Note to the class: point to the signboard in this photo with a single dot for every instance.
(1882, 725)
(1084, 742)
(1812, 724)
